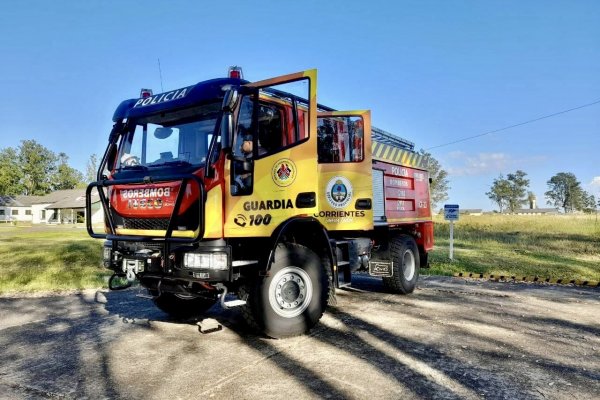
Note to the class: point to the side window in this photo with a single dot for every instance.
(270, 129)
(271, 133)
(340, 139)
(283, 116)
(243, 145)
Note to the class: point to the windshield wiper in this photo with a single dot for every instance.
(178, 163)
(138, 167)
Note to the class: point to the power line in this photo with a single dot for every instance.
(160, 74)
(515, 125)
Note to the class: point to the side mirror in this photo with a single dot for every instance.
(115, 132)
(226, 130)
(108, 161)
(230, 100)
(111, 156)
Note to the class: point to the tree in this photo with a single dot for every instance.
(439, 186)
(38, 165)
(91, 169)
(499, 192)
(32, 169)
(11, 175)
(518, 185)
(509, 193)
(66, 177)
(564, 191)
(589, 203)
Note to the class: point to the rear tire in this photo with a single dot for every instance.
(182, 306)
(405, 256)
(292, 299)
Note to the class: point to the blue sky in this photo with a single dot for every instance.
(430, 71)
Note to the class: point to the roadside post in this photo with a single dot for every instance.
(451, 214)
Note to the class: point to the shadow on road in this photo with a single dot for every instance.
(441, 342)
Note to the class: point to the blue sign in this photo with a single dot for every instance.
(451, 212)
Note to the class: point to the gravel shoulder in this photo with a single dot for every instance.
(451, 339)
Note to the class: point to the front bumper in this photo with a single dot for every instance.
(148, 265)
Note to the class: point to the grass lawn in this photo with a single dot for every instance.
(546, 246)
(49, 258)
(41, 258)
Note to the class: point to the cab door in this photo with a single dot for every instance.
(280, 172)
(345, 170)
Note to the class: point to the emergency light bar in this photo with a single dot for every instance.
(235, 72)
(145, 93)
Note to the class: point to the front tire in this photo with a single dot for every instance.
(406, 263)
(292, 299)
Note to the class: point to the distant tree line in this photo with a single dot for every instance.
(32, 169)
(564, 191)
(439, 186)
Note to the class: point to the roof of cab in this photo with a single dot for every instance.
(175, 99)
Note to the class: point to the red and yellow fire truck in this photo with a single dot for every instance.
(230, 187)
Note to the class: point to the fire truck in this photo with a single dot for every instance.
(255, 195)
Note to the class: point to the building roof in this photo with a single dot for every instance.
(537, 211)
(71, 198)
(28, 201)
(470, 210)
(74, 199)
(10, 201)
(60, 195)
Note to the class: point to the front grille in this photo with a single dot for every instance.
(146, 223)
(147, 245)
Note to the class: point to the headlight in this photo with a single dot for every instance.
(205, 260)
(107, 253)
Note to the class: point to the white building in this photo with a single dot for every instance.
(15, 209)
(60, 207)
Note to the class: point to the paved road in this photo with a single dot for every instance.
(451, 339)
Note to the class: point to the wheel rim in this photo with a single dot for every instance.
(290, 292)
(408, 265)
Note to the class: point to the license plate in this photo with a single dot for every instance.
(381, 268)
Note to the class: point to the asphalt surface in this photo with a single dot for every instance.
(451, 339)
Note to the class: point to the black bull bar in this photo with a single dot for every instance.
(184, 179)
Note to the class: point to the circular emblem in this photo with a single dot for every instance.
(284, 172)
(338, 192)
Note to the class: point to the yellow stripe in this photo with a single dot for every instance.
(399, 155)
(393, 153)
(419, 160)
(386, 152)
(155, 233)
(379, 150)
(403, 160)
(374, 148)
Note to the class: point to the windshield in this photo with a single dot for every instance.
(182, 137)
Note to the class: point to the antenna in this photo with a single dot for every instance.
(160, 74)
